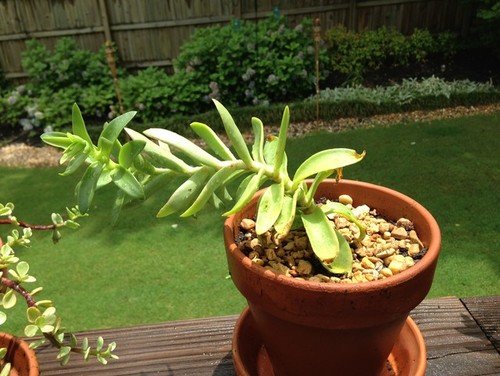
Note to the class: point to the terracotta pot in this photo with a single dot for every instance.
(310, 328)
(22, 359)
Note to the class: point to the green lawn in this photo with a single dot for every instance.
(143, 270)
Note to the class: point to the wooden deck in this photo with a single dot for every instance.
(461, 335)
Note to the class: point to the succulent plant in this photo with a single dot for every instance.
(41, 314)
(147, 162)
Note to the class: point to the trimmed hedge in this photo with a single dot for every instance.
(306, 111)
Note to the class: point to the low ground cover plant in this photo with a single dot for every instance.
(406, 92)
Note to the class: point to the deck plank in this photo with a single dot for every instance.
(456, 346)
(486, 312)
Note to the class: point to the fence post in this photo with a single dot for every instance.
(353, 19)
(110, 53)
(317, 40)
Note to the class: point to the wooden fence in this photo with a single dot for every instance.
(150, 32)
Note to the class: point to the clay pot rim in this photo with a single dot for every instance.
(23, 347)
(347, 288)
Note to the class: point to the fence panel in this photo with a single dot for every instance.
(150, 32)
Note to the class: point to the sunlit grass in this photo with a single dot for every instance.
(146, 270)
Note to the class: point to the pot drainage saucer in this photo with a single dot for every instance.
(251, 359)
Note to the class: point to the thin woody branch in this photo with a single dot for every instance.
(31, 302)
(7, 221)
(20, 290)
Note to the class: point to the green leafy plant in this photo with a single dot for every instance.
(248, 62)
(354, 56)
(41, 314)
(144, 164)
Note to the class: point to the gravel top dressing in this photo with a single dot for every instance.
(388, 248)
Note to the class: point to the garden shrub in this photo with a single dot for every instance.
(252, 63)
(66, 65)
(156, 95)
(57, 79)
(354, 55)
(19, 112)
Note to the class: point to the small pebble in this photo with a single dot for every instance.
(247, 224)
(399, 233)
(367, 264)
(345, 199)
(304, 267)
(397, 266)
(414, 238)
(405, 223)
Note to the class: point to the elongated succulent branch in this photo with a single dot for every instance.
(146, 163)
(41, 314)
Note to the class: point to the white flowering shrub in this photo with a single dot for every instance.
(249, 62)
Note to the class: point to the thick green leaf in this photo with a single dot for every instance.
(87, 186)
(74, 164)
(280, 148)
(63, 351)
(159, 156)
(184, 196)
(6, 370)
(216, 202)
(3, 317)
(57, 139)
(30, 330)
(99, 343)
(157, 182)
(212, 140)
(258, 144)
(127, 182)
(253, 184)
(322, 236)
(32, 314)
(270, 148)
(243, 185)
(343, 262)
(287, 215)
(233, 176)
(311, 191)
(129, 151)
(78, 124)
(338, 208)
(215, 182)
(71, 151)
(22, 268)
(234, 133)
(269, 208)
(142, 165)
(9, 299)
(223, 194)
(115, 126)
(330, 159)
(192, 150)
(105, 146)
(115, 150)
(104, 179)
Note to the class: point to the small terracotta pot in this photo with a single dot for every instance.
(311, 328)
(22, 359)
